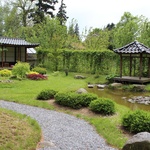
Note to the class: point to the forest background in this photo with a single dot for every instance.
(64, 47)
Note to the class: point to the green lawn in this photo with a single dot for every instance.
(25, 92)
(18, 132)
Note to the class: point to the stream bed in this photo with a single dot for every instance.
(121, 97)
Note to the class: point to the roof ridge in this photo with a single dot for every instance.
(133, 47)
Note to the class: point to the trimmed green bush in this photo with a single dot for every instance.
(21, 69)
(74, 100)
(46, 94)
(87, 98)
(69, 99)
(5, 73)
(137, 121)
(103, 106)
(40, 70)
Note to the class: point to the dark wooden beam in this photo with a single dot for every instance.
(140, 73)
(149, 67)
(2, 57)
(130, 65)
(25, 54)
(120, 65)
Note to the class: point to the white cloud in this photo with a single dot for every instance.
(98, 13)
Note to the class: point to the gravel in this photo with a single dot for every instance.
(61, 131)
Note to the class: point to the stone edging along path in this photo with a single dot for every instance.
(61, 131)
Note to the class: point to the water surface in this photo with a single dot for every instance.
(121, 97)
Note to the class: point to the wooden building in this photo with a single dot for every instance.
(131, 51)
(13, 50)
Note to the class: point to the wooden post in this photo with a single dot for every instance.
(130, 65)
(25, 54)
(2, 57)
(140, 66)
(120, 65)
(149, 67)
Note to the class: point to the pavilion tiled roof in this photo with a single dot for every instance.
(16, 42)
(133, 48)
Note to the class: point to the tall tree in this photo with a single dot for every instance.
(61, 15)
(126, 30)
(73, 38)
(76, 30)
(97, 39)
(1, 20)
(25, 7)
(43, 8)
(110, 28)
(144, 36)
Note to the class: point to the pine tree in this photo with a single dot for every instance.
(43, 7)
(61, 15)
(77, 31)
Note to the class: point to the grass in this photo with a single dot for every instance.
(109, 127)
(26, 91)
(18, 132)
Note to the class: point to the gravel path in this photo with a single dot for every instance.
(61, 131)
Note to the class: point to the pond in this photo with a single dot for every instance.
(119, 95)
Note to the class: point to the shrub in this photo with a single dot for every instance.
(5, 73)
(74, 100)
(110, 77)
(40, 70)
(137, 121)
(46, 94)
(32, 72)
(36, 76)
(69, 99)
(103, 106)
(21, 69)
(87, 98)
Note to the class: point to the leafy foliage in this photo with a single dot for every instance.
(74, 100)
(137, 121)
(21, 69)
(89, 61)
(40, 70)
(46, 94)
(110, 77)
(5, 73)
(35, 76)
(103, 106)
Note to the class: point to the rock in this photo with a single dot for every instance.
(138, 87)
(140, 100)
(90, 85)
(140, 141)
(131, 101)
(101, 86)
(81, 90)
(79, 77)
(116, 84)
(45, 144)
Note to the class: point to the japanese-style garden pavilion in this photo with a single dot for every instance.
(134, 50)
(13, 50)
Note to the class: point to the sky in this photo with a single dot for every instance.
(98, 13)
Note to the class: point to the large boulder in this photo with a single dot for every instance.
(81, 90)
(79, 77)
(138, 88)
(116, 84)
(140, 141)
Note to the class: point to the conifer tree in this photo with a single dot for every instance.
(43, 7)
(61, 15)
